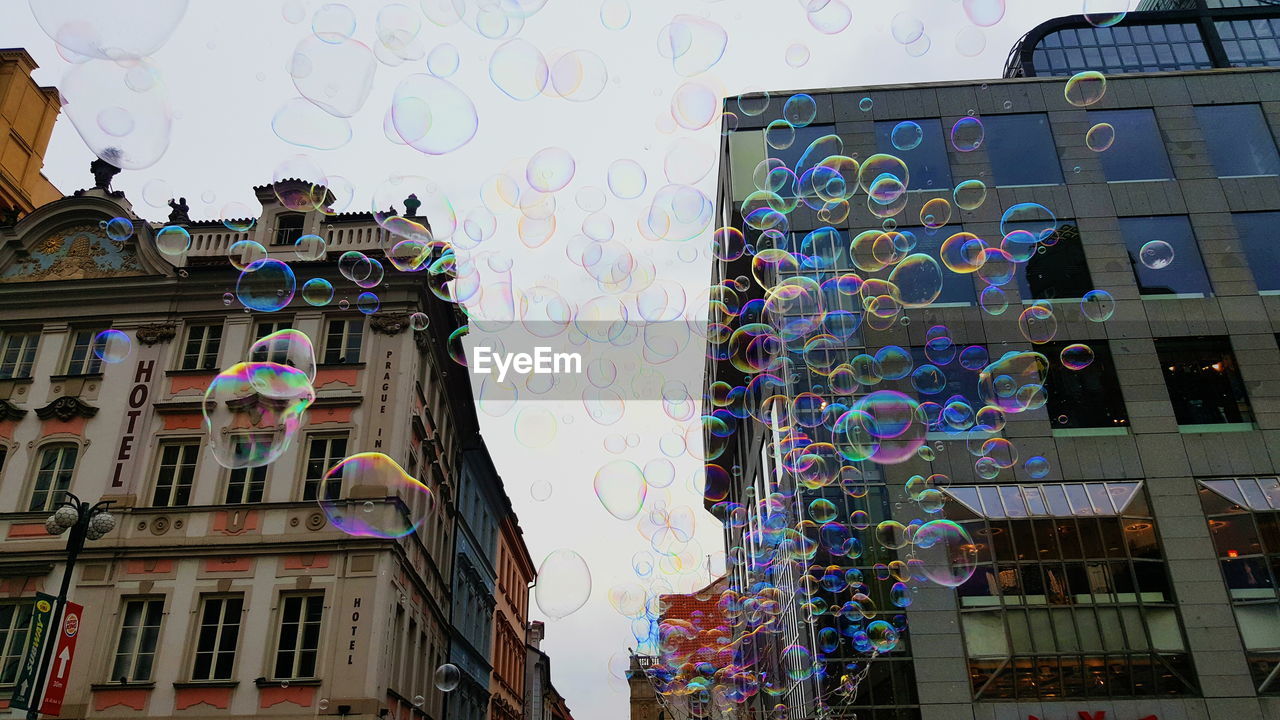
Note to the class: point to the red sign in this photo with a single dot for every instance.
(60, 670)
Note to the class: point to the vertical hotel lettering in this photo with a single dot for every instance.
(139, 394)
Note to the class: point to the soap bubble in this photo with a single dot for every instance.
(564, 583)
(947, 554)
(1097, 306)
(906, 135)
(1085, 88)
(620, 486)
(120, 110)
(518, 68)
(119, 229)
(374, 475)
(448, 677)
(336, 76)
(173, 240)
(1076, 356)
(111, 346)
(108, 30)
(266, 285)
(317, 292)
(432, 115)
(252, 412)
(1100, 137)
(1156, 254)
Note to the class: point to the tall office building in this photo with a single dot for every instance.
(1126, 562)
(235, 592)
(1181, 36)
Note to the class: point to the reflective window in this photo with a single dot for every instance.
(1061, 271)
(139, 634)
(342, 342)
(53, 476)
(1251, 43)
(1260, 240)
(957, 288)
(1165, 256)
(1138, 152)
(201, 350)
(218, 637)
(1239, 139)
(15, 622)
(804, 136)
(1122, 49)
(1244, 519)
(298, 644)
(323, 452)
(176, 473)
(18, 353)
(927, 162)
(1085, 398)
(1022, 150)
(1203, 380)
(82, 360)
(1071, 588)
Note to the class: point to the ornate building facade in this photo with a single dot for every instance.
(223, 592)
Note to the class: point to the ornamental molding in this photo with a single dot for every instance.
(66, 408)
(9, 411)
(156, 333)
(389, 323)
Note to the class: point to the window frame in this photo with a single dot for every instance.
(914, 158)
(1110, 158)
(1173, 271)
(305, 480)
(345, 339)
(277, 324)
(201, 357)
(26, 353)
(287, 236)
(79, 358)
(13, 637)
(122, 616)
(53, 494)
(994, 138)
(1237, 383)
(175, 486)
(1215, 150)
(198, 626)
(276, 646)
(247, 481)
(1112, 386)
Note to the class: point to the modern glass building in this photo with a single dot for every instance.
(1136, 570)
(1174, 35)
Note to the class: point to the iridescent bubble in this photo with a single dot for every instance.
(252, 412)
(266, 285)
(1036, 466)
(906, 28)
(518, 68)
(1100, 137)
(550, 169)
(799, 110)
(580, 76)
(620, 486)
(1038, 323)
(967, 134)
(336, 76)
(866, 104)
(918, 278)
(448, 677)
(615, 14)
(1085, 88)
(1156, 254)
(1097, 306)
(333, 22)
(833, 17)
(1040, 221)
(287, 347)
(1077, 356)
(173, 240)
(906, 135)
(564, 584)
(1102, 13)
(111, 346)
(626, 179)
(796, 55)
(970, 41)
(1015, 382)
(443, 60)
(368, 303)
(244, 253)
(303, 123)
(693, 44)
(120, 120)
(694, 105)
(432, 115)
(108, 31)
(970, 194)
(947, 554)
(374, 475)
(310, 247)
(317, 292)
(984, 13)
(935, 213)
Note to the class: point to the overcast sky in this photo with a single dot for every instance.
(224, 70)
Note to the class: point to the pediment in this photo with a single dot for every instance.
(76, 252)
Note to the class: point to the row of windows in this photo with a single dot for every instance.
(200, 347)
(175, 473)
(217, 638)
(1022, 150)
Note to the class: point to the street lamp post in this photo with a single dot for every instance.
(85, 522)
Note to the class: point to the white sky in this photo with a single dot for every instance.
(225, 72)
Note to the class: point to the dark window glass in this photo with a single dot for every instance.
(1203, 380)
(804, 136)
(277, 352)
(322, 454)
(299, 640)
(1138, 152)
(1260, 239)
(15, 622)
(1022, 150)
(1251, 43)
(1060, 271)
(176, 474)
(1239, 139)
(1184, 275)
(1087, 398)
(82, 360)
(18, 354)
(53, 476)
(201, 351)
(957, 288)
(217, 638)
(342, 343)
(927, 162)
(139, 633)
(246, 484)
(288, 229)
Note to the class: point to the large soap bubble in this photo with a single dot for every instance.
(108, 29)
(564, 583)
(370, 495)
(120, 109)
(252, 412)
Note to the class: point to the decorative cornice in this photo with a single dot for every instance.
(66, 408)
(389, 323)
(9, 411)
(156, 333)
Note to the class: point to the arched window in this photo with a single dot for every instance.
(52, 476)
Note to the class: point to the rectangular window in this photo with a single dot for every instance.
(957, 288)
(1022, 150)
(1239, 139)
(53, 476)
(1057, 268)
(82, 360)
(246, 484)
(288, 229)
(176, 473)
(278, 352)
(218, 636)
(1165, 256)
(342, 342)
(323, 452)
(201, 351)
(1138, 152)
(1086, 398)
(926, 153)
(299, 641)
(18, 354)
(139, 633)
(1260, 240)
(1203, 380)
(15, 622)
